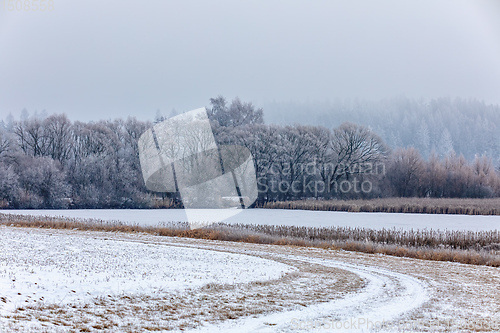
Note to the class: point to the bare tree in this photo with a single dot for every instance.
(58, 133)
(406, 171)
(263, 143)
(435, 178)
(459, 176)
(31, 136)
(355, 148)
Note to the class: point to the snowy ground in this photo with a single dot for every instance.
(162, 283)
(290, 217)
(50, 267)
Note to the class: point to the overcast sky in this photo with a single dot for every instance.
(105, 59)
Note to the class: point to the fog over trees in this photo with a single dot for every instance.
(467, 126)
(401, 147)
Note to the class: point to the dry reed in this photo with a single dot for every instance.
(396, 205)
(468, 247)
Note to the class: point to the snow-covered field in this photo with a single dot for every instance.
(60, 268)
(95, 281)
(289, 217)
(71, 280)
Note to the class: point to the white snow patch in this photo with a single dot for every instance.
(51, 267)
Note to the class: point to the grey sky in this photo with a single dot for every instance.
(105, 59)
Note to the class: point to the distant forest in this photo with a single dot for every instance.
(401, 147)
(465, 126)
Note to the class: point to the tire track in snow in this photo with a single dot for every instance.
(386, 297)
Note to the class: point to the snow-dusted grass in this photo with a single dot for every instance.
(55, 268)
(325, 286)
(60, 280)
(289, 218)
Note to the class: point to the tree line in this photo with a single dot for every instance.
(52, 162)
(440, 125)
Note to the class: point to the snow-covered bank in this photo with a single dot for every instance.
(289, 217)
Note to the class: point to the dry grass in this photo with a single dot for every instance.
(309, 284)
(468, 247)
(397, 205)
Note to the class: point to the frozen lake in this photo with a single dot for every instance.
(150, 217)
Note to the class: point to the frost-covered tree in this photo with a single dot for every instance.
(406, 172)
(424, 139)
(31, 136)
(353, 147)
(9, 185)
(52, 162)
(445, 145)
(237, 113)
(58, 133)
(43, 183)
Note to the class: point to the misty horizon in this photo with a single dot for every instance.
(97, 60)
